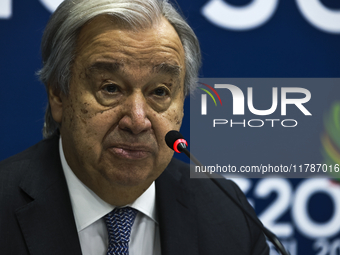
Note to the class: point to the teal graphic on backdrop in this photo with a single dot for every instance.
(331, 141)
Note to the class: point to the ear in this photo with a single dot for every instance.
(56, 104)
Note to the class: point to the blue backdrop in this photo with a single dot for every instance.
(239, 38)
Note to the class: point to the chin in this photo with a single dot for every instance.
(128, 176)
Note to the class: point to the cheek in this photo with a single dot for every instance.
(175, 115)
(83, 118)
(171, 119)
(166, 121)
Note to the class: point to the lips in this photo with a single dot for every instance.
(136, 152)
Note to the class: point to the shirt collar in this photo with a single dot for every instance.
(88, 207)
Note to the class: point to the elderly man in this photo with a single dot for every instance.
(103, 180)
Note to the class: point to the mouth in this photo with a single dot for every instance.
(136, 152)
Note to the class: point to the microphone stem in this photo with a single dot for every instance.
(271, 236)
(189, 155)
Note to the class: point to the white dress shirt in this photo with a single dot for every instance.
(89, 209)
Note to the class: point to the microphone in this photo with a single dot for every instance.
(176, 142)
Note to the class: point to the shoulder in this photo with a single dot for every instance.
(181, 172)
(32, 152)
(205, 191)
(17, 167)
(215, 210)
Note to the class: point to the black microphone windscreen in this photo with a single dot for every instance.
(171, 137)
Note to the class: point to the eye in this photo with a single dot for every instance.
(111, 88)
(161, 92)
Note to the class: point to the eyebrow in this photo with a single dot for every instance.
(110, 66)
(114, 66)
(167, 68)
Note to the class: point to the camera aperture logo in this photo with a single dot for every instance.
(204, 98)
(238, 105)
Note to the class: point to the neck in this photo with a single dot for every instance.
(114, 194)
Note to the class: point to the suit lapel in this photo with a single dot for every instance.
(178, 228)
(47, 221)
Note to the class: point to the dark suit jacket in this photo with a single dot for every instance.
(195, 217)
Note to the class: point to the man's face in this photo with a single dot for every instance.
(125, 94)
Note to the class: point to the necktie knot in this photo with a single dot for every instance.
(119, 223)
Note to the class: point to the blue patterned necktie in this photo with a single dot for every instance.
(119, 223)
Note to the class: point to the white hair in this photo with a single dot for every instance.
(60, 36)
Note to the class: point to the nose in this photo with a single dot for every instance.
(135, 118)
